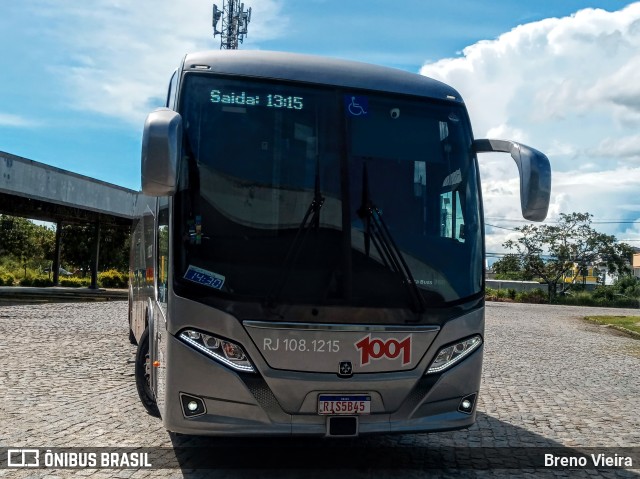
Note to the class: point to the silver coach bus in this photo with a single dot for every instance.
(308, 259)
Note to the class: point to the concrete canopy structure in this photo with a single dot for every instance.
(43, 192)
(34, 190)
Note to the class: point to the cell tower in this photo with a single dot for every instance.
(235, 20)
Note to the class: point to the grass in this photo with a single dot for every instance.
(629, 323)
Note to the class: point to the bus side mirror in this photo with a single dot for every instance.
(161, 143)
(535, 175)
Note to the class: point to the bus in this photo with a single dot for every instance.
(308, 254)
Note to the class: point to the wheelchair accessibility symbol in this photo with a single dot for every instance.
(356, 105)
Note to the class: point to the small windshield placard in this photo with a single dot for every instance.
(356, 105)
(204, 277)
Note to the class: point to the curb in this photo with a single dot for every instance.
(26, 295)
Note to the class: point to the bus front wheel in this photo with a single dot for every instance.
(143, 375)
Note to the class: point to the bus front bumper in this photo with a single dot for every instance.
(237, 404)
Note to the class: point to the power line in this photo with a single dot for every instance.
(500, 227)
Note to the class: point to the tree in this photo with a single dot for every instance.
(510, 267)
(78, 242)
(23, 240)
(550, 251)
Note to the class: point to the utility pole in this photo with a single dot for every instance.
(235, 21)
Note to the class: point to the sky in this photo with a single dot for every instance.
(78, 79)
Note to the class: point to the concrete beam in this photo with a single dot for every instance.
(30, 179)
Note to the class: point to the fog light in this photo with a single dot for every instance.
(467, 403)
(192, 406)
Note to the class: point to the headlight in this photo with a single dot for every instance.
(228, 353)
(450, 355)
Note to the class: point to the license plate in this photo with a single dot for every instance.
(344, 405)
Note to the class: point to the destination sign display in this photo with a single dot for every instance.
(266, 100)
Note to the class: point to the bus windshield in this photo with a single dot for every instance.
(314, 194)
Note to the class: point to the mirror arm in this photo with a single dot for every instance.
(499, 146)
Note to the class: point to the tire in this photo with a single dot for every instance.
(142, 375)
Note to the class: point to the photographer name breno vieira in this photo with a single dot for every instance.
(595, 460)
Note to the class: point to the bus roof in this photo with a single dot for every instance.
(319, 70)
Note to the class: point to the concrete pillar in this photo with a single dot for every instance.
(56, 255)
(96, 257)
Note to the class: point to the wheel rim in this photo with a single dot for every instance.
(147, 375)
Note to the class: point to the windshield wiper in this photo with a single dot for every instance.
(376, 232)
(310, 221)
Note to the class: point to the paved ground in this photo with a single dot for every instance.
(550, 380)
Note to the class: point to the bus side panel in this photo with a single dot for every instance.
(142, 268)
(137, 282)
(159, 316)
(133, 276)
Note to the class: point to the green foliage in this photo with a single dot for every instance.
(587, 299)
(78, 244)
(510, 267)
(37, 281)
(24, 240)
(550, 251)
(75, 282)
(536, 296)
(601, 297)
(510, 276)
(626, 290)
(627, 323)
(604, 292)
(113, 279)
(27, 249)
(42, 281)
(7, 279)
(628, 286)
(9, 264)
(496, 294)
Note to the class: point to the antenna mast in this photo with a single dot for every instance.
(235, 21)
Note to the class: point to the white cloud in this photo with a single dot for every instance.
(16, 121)
(631, 233)
(506, 131)
(609, 195)
(569, 87)
(627, 147)
(121, 54)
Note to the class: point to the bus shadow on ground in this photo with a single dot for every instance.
(487, 445)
